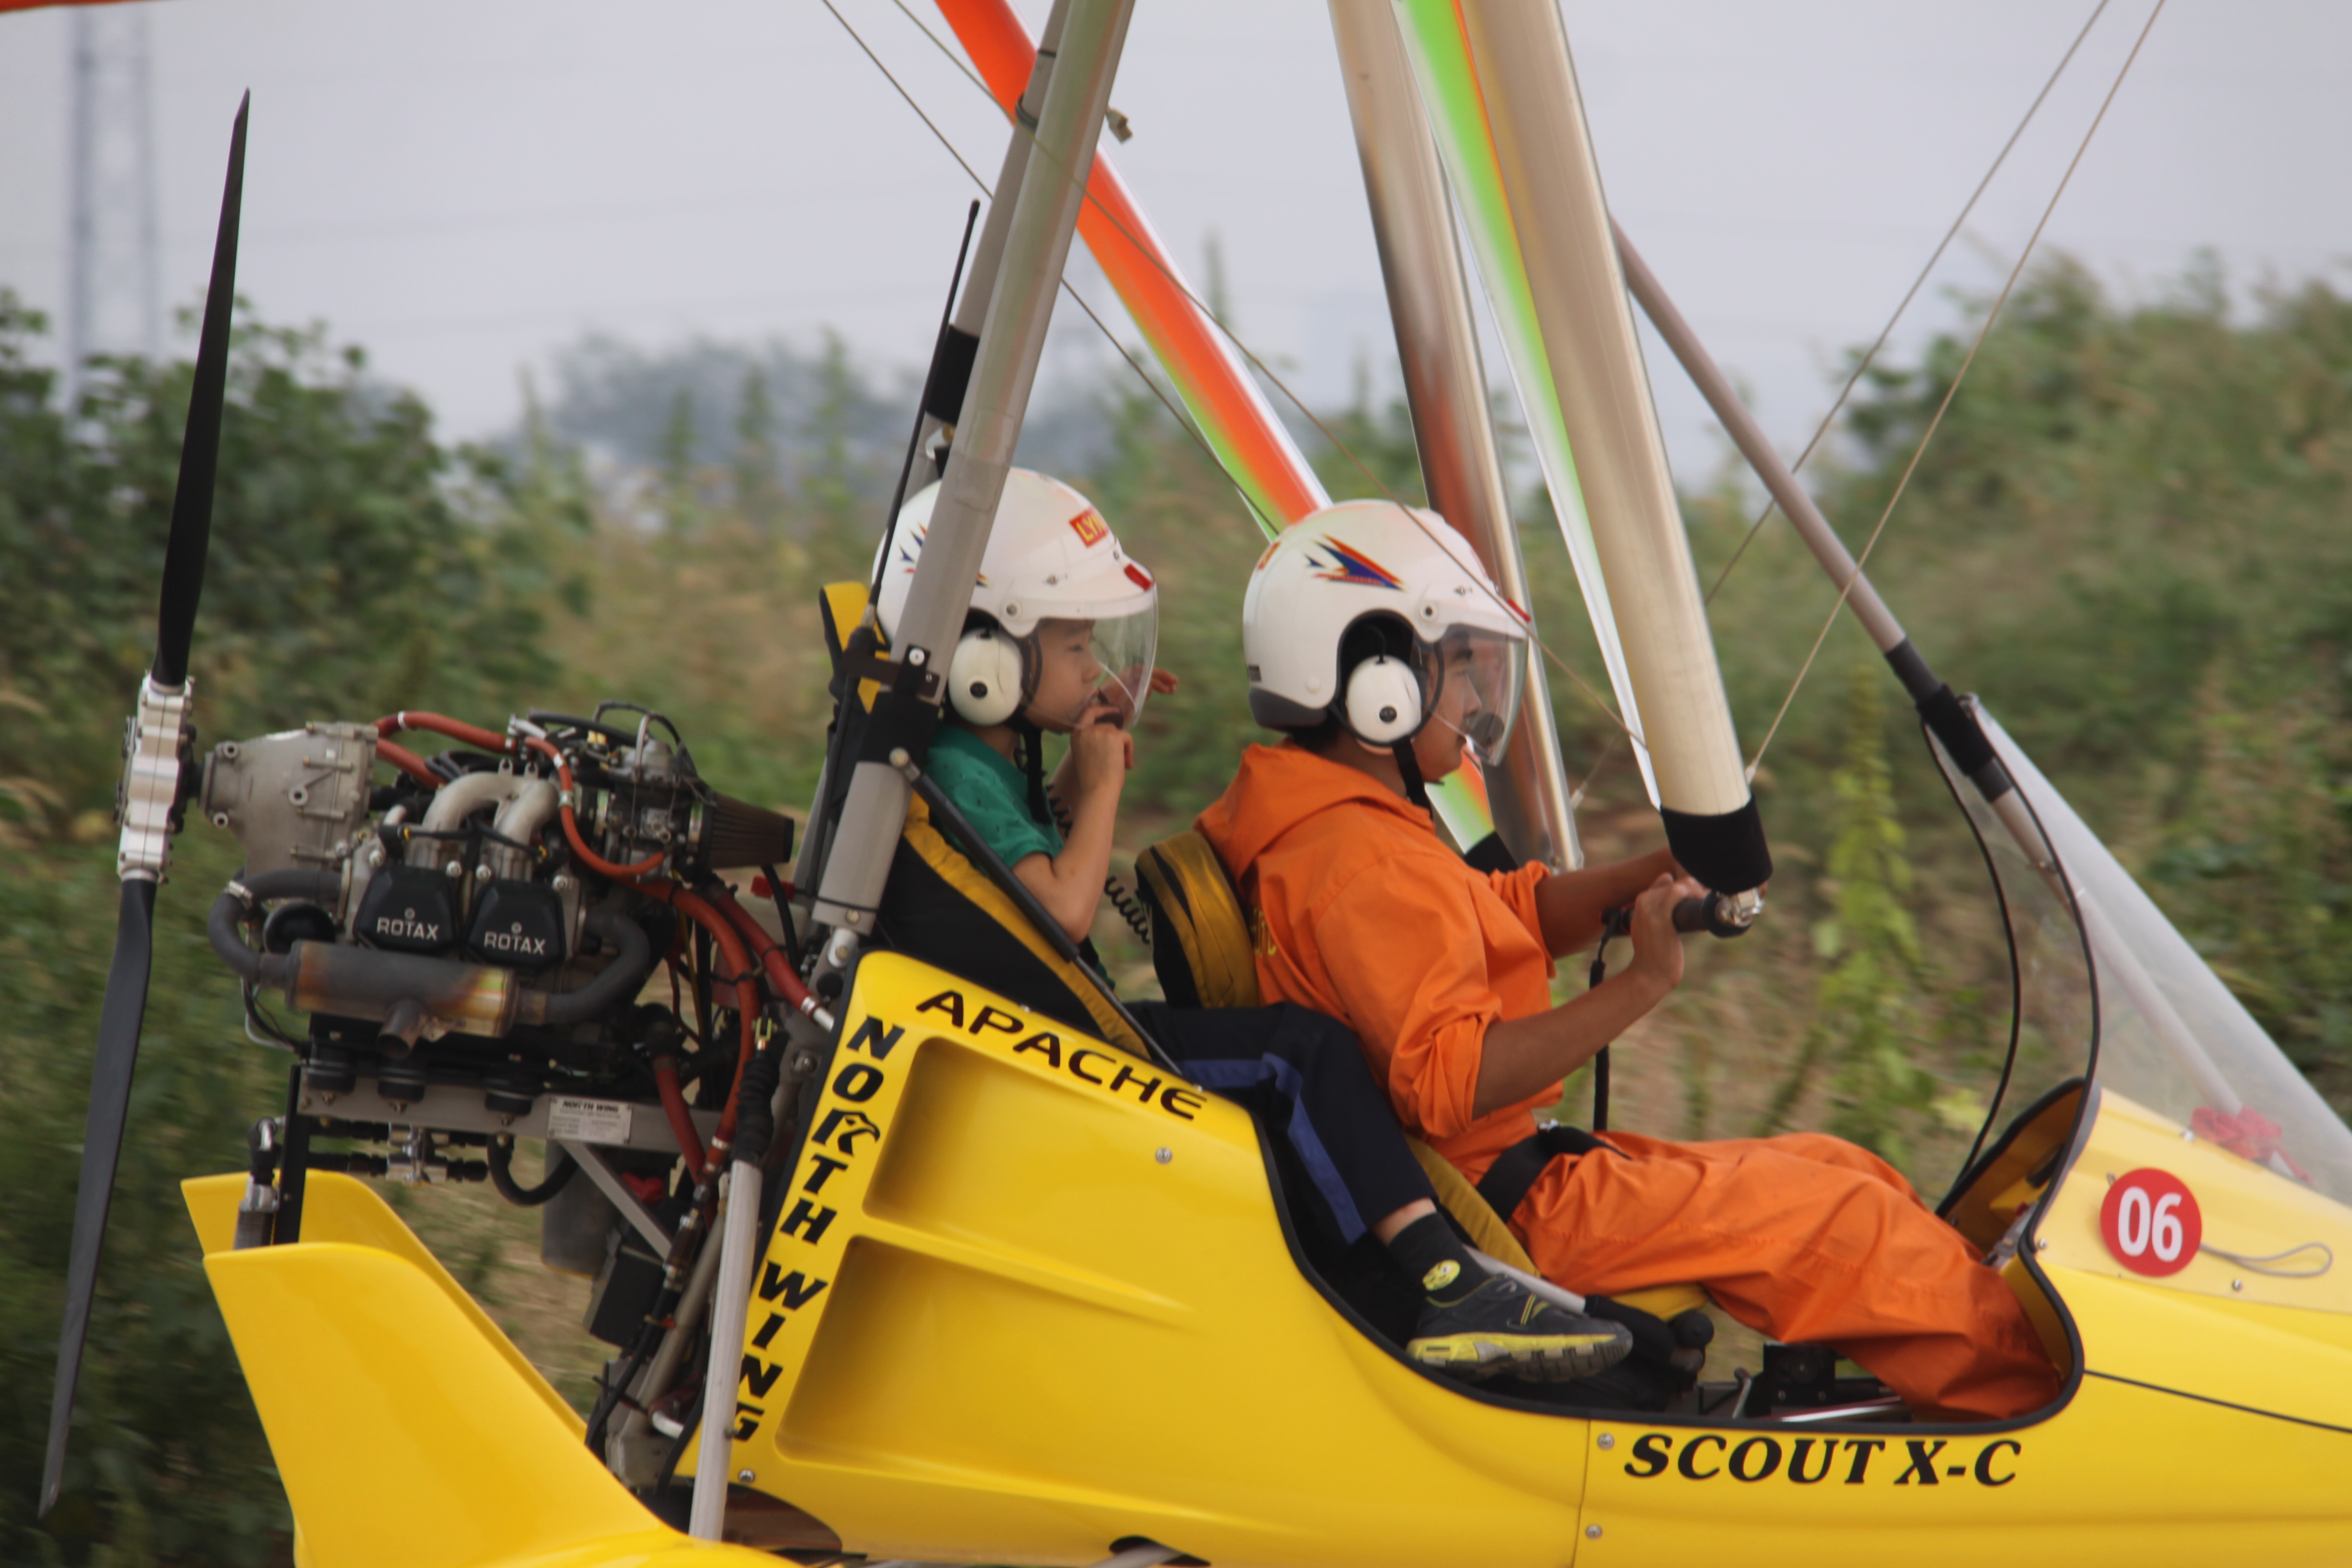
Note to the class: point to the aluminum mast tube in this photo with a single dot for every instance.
(1036, 245)
(1519, 51)
(1445, 386)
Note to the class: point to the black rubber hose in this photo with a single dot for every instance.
(229, 911)
(560, 1169)
(755, 1121)
(619, 979)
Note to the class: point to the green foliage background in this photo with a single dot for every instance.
(2130, 534)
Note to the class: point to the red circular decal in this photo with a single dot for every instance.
(2150, 1222)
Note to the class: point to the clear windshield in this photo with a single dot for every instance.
(1100, 665)
(1480, 676)
(2171, 1038)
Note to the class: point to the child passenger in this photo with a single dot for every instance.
(1060, 639)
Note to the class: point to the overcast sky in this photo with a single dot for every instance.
(462, 185)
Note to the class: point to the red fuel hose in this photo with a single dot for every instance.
(738, 964)
(772, 959)
(407, 761)
(681, 1123)
(588, 857)
(440, 724)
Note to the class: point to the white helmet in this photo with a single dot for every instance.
(1050, 557)
(1366, 612)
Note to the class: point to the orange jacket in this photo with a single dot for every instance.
(1359, 911)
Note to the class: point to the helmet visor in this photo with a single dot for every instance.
(1480, 677)
(1090, 667)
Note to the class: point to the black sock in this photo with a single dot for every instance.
(1434, 1258)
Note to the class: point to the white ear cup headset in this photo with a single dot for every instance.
(988, 678)
(1350, 615)
(1382, 703)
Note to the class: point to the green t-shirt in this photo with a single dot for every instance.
(992, 794)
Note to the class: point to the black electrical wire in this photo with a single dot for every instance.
(2009, 936)
(1617, 923)
(688, 1420)
(777, 888)
(560, 1169)
(922, 406)
(1137, 919)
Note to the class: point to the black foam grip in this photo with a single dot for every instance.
(1490, 854)
(951, 375)
(1911, 670)
(1956, 728)
(1726, 853)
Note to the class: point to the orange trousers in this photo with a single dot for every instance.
(1806, 1238)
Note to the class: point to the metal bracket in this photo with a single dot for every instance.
(608, 1180)
(620, 1124)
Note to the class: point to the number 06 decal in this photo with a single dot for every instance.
(2150, 1222)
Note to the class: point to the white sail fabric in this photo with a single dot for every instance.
(1449, 93)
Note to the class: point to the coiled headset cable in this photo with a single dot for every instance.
(1130, 910)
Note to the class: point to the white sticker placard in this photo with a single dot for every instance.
(588, 1121)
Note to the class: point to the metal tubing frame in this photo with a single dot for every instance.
(730, 1302)
(1457, 116)
(1028, 113)
(1445, 388)
(1036, 246)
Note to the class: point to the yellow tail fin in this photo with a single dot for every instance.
(401, 1425)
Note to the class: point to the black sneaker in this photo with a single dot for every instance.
(1501, 1328)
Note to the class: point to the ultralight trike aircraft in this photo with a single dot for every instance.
(895, 1267)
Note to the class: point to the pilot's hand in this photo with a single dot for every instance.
(1657, 946)
(1163, 681)
(1100, 752)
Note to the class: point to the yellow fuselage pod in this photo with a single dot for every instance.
(1028, 1297)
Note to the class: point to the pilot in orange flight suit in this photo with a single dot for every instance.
(1443, 972)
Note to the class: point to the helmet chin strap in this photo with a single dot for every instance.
(1032, 745)
(1409, 766)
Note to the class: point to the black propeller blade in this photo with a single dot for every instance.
(150, 797)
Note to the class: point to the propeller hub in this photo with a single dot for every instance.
(156, 747)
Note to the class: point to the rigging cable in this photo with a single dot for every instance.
(1100, 325)
(1870, 356)
(1862, 558)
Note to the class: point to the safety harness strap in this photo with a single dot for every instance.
(1515, 1169)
